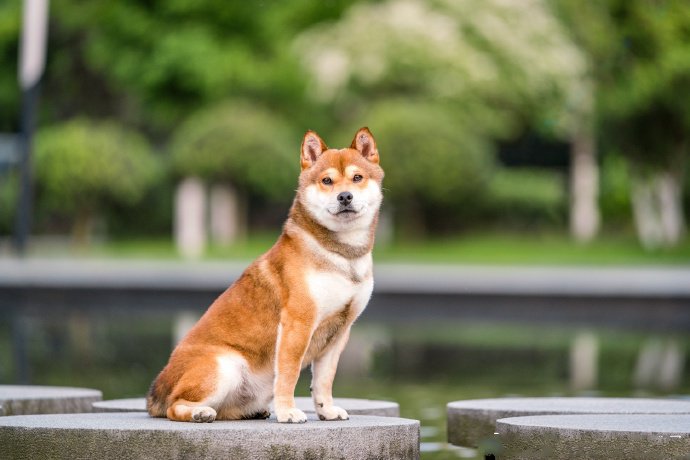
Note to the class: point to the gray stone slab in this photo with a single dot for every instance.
(36, 399)
(353, 406)
(598, 436)
(134, 435)
(472, 421)
(121, 405)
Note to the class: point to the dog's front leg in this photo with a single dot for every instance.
(293, 338)
(323, 372)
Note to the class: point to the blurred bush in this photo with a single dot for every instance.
(440, 82)
(243, 144)
(9, 186)
(10, 23)
(614, 195)
(83, 166)
(155, 208)
(471, 73)
(432, 162)
(528, 196)
(642, 56)
(152, 63)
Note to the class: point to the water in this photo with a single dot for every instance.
(422, 367)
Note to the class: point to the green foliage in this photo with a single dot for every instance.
(165, 58)
(686, 191)
(642, 80)
(651, 58)
(471, 73)
(528, 195)
(615, 188)
(428, 158)
(482, 69)
(8, 199)
(249, 146)
(508, 63)
(10, 21)
(82, 164)
(648, 104)
(151, 215)
(642, 49)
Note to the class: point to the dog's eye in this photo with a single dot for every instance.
(326, 181)
(357, 178)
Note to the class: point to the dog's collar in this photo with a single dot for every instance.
(326, 237)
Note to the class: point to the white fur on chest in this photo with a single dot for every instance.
(348, 282)
(333, 291)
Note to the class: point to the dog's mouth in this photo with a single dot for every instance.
(345, 211)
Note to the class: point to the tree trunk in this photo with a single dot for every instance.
(671, 204)
(82, 229)
(584, 188)
(645, 214)
(657, 200)
(190, 217)
(228, 214)
(410, 221)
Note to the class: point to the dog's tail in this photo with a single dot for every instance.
(156, 399)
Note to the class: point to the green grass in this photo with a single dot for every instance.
(489, 248)
(536, 249)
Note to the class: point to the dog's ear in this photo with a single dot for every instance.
(312, 148)
(365, 144)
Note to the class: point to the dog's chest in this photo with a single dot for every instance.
(333, 290)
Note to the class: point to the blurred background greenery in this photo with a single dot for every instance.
(533, 117)
(511, 132)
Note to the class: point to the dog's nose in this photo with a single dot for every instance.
(344, 198)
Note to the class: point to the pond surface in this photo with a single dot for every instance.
(422, 367)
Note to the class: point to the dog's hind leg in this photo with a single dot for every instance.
(183, 411)
(207, 389)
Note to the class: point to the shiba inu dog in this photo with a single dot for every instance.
(292, 307)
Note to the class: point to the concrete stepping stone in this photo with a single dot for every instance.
(135, 435)
(598, 436)
(120, 405)
(36, 399)
(473, 421)
(353, 406)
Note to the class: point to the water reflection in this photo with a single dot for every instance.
(420, 367)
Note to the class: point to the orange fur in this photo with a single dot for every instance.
(291, 307)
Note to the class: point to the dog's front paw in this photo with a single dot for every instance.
(291, 415)
(331, 413)
(203, 414)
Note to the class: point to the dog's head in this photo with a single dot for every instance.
(341, 188)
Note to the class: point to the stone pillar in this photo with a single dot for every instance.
(190, 218)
